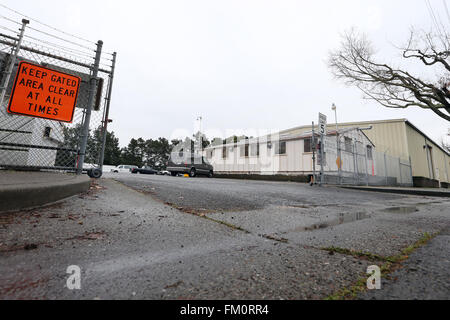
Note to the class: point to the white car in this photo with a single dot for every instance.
(123, 168)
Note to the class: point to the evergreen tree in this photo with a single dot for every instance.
(133, 154)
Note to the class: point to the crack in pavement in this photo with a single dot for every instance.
(391, 264)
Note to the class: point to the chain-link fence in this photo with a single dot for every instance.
(38, 143)
(352, 159)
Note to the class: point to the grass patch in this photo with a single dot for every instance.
(422, 241)
(349, 293)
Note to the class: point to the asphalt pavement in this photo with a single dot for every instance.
(161, 237)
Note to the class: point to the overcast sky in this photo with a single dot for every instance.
(239, 64)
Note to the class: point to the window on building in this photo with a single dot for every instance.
(348, 144)
(224, 152)
(307, 145)
(210, 154)
(280, 147)
(244, 150)
(254, 150)
(47, 131)
(369, 153)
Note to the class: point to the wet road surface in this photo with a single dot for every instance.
(159, 237)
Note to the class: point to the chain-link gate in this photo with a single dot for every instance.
(360, 163)
(30, 143)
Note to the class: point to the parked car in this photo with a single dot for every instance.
(144, 170)
(123, 168)
(191, 164)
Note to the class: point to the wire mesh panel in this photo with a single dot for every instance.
(39, 143)
(361, 164)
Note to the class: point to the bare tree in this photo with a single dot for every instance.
(446, 144)
(356, 64)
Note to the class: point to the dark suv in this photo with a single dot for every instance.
(191, 164)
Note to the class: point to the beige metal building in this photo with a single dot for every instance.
(400, 138)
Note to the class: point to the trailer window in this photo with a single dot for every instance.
(307, 145)
(280, 147)
(369, 153)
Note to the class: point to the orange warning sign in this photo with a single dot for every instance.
(339, 162)
(44, 93)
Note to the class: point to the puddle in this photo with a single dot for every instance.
(341, 218)
(401, 210)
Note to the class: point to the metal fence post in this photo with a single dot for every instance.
(339, 155)
(355, 162)
(400, 169)
(13, 60)
(85, 129)
(313, 145)
(106, 117)
(410, 170)
(367, 168)
(385, 169)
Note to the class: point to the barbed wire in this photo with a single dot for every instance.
(437, 22)
(10, 20)
(59, 38)
(50, 35)
(66, 49)
(8, 29)
(72, 51)
(66, 54)
(46, 25)
(446, 10)
(54, 50)
(51, 27)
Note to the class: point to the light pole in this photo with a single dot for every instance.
(338, 144)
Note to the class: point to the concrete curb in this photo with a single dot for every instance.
(418, 192)
(21, 196)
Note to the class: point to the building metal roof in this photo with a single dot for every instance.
(284, 137)
(357, 123)
(284, 134)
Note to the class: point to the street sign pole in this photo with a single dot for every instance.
(313, 145)
(322, 131)
(321, 159)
